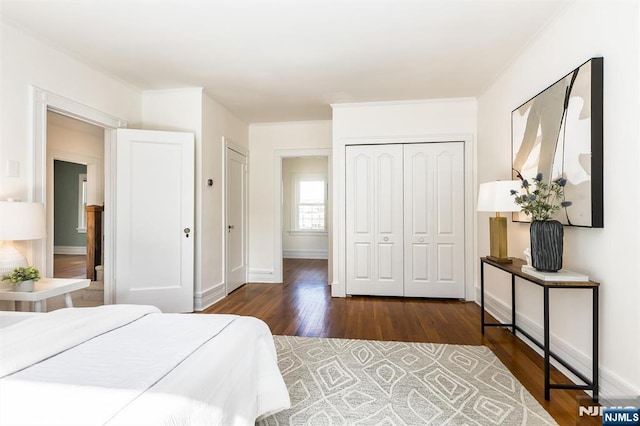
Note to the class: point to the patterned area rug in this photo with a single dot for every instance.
(365, 382)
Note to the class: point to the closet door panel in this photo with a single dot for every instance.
(362, 261)
(374, 220)
(419, 263)
(389, 194)
(434, 217)
(360, 219)
(449, 205)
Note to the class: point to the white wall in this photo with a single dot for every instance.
(217, 122)
(26, 61)
(436, 120)
(264, 141)
(191, 110)
(300, 245)
(586, 29)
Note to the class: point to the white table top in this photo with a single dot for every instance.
(46, 288)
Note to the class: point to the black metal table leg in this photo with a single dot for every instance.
(513, 304)
(596, 327)
(482, 295)
(547, 380)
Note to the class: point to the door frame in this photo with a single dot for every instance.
(338, 284)
(42, 101)
(228, 144)
(279, 155)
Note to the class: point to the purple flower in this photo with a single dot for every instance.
(562, 181)
(566, 203)
(525, 183)
(514, 192)
(539, 176)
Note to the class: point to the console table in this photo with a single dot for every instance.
(515, 270)
(46, 288)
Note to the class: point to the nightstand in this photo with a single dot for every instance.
(46, 288)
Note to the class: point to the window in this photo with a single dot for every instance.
(309, 206)
(82, 202)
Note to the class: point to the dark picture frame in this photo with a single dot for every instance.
(559, 133)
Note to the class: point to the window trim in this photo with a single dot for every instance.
(82, 196)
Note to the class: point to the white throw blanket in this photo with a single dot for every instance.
(38, 338)
(157, 369)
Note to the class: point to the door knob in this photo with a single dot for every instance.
(386, 238)
(422, 240)
(231, 227)
(187, 231)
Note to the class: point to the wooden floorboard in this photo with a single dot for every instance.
(303, 306)
(69, 266)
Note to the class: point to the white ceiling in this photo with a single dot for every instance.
(287, 60)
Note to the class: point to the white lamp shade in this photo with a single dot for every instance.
(496, 196)
(22, 221)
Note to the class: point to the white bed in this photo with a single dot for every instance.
(132, 365)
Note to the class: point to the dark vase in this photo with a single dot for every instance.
(546, 245)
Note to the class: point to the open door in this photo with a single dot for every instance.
(154, 218)
(236, 219)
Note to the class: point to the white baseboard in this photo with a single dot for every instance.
(305, 254)
(203, 300)
(611, 385)
(261, 276)
(80, 250)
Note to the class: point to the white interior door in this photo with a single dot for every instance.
(374, 220)
(236, 219)
(434, 220)
(154, 217)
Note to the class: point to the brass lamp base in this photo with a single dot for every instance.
(498, 239)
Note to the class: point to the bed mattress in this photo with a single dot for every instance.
(126, 364)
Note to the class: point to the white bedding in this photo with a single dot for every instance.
(123, 365)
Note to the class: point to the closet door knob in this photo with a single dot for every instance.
(386, 238)
(421, 240)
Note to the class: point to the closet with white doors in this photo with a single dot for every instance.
(405, 220)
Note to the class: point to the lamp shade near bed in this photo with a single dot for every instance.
(496, 197)
(19, 221)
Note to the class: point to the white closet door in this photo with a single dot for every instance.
(374, 220)
(434, 220)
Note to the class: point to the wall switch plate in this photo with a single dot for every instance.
(12, 168)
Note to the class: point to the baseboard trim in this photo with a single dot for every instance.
(261, 276)
(305, 254)
(203, 300)
(611, 385)
(78, 250)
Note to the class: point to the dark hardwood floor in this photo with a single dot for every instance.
(69, 265)
(303, 306)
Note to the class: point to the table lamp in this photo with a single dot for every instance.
(496, 197)
(18, 221)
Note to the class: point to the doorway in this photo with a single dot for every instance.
(304, 208)
(69, 220)
(236, 198)
(75, 179)
(41, 191)
(288, 225)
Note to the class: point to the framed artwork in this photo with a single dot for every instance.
(558, 133)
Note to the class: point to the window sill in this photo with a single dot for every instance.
(307, 232)
(81, 230)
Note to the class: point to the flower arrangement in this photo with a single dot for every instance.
(542, 200)
(22, 273)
